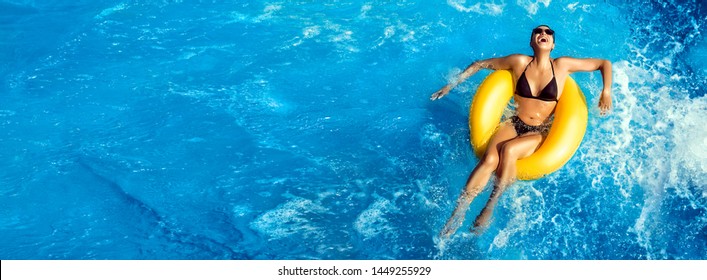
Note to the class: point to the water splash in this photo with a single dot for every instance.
(492, 9)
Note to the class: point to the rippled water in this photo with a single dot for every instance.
(302, 130)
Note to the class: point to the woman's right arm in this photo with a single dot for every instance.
(498, 63)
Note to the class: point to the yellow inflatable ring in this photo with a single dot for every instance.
(562, 141)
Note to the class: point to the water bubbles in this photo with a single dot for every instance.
(311, 31)
(373, 221)
(478, 8)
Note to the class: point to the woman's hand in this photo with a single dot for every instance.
(441, 93)
(605, 102)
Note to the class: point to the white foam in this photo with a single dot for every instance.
(491, 9)
(238, 17)
(526, 205)
(373, 222)
(290, 218)
(342, 37)
(364, 10)
(654, 140)
(241, 210)
(573, 7)
(532, 6)
(111, 10)
(433, 135)
(662, 116)
(389, 32)
(268, 13)
(311, 31)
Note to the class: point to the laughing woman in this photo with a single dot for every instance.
(539, 80)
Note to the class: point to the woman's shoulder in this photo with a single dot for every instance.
(574, 64)
(520, 57)
(518, 60)
(564, 60)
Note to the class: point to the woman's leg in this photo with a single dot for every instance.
(478, 177)
(510, 152)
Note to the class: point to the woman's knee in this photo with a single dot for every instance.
(514, 150)
(508, 154)
(490, 161)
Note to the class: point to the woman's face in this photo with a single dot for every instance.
(542, 38)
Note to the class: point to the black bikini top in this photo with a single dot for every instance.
(549, 93)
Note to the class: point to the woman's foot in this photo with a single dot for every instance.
(480, 226)
(452, 225)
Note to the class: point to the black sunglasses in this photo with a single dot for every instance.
(547, 31)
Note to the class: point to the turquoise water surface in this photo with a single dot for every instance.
(304, 130)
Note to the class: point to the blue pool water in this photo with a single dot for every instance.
(303, 130)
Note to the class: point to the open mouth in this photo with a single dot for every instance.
(543, 40)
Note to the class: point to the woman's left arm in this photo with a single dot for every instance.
(592, 64)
